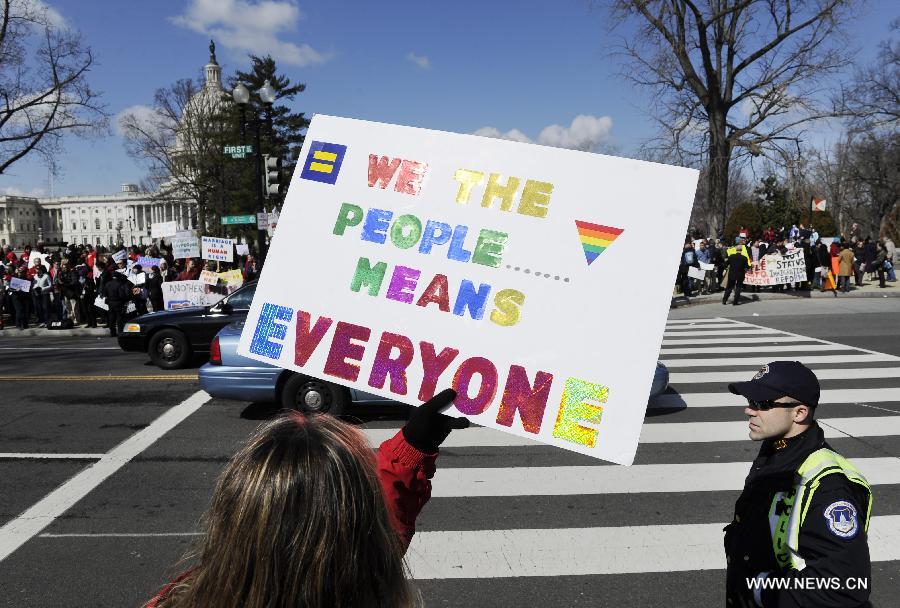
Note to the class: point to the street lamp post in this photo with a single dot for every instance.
(241, 96)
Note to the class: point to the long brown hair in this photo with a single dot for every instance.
(298, 519)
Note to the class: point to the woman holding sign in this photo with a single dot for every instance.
(304, 515)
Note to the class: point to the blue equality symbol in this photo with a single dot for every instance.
(323, 162)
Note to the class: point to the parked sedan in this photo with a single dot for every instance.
(229, 375)
(172, 337)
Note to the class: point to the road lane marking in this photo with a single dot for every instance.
(736, 332)
(821, 374)
(33, 520)
(793, 348)
(120, 535)
(611, 480)
(756, 362)
(698, 321)
(725, 399)
(686, 328)
(96, 378)
(665, 432)
(592, 551)
(59, 348)
(727, 340)
(45, 456)
(572, 551)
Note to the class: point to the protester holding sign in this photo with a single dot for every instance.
(304, 515)
(21, 297)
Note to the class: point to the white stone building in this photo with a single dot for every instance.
(106, 219)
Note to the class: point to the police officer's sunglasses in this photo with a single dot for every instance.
(770, 404)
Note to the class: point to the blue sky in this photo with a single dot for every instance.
(461, 66)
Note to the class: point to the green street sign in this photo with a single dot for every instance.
(238, 151)
(238, 219)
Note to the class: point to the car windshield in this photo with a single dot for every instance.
(242, 298)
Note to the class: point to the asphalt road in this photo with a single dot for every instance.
(104, 521)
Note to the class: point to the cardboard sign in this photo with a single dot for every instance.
(17, 284)
(242, 248)
(146, 262)
(501, 269)
(777, 269)
(208, 277)
(232, 278)
(696, 273)
(160, 230)
(183, 294)
(119, 256)
(218, 249)
(185, 247)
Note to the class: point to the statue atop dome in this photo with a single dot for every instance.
(212, 52)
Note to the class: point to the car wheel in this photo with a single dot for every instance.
(169, 349)
(313, 396)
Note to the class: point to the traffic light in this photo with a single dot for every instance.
(272, 172)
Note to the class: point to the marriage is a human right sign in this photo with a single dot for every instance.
(535, 281)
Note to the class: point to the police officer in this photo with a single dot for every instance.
(738, 262)
(804, 511)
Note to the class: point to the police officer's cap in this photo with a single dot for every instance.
(781, 379)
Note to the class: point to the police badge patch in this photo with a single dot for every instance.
(842, 520)
(762, 372)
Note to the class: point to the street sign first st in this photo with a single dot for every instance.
(238, 151)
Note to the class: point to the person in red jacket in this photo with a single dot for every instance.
(305, 515)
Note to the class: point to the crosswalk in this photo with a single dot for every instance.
(506, 508)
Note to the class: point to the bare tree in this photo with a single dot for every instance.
(873, 99)
(44, 92)
(733, 78)
(180, 141)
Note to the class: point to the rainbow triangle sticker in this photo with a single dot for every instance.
(596, 238)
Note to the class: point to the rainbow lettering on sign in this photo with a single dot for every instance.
(596, 238)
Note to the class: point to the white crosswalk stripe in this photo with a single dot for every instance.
(693, 443)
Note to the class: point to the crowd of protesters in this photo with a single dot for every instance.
(830, 263)
(65, 284)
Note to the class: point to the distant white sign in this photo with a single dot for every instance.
(42, 258)
(182, 294)
(242, 248)
(160, 230)
(208, 277)
(20, 284)
(119, 256)
(185, 247)
(218, 249)
(696, 273)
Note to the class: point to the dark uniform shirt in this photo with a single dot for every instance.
(829, 553)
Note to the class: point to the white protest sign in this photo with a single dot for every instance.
(504, 270)
(696, 273)
(119, 256)
(705, 266)
(262, 221)
(100, 302)
(159, 230)
(17, 284)
(209, 277)
(185, 247)
(39, 258)
(138, 278)
(242, 248)
(218, 249)
(182, 294)
(777, 269)
(130, 308)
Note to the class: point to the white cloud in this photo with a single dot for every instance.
(14, 191)
(145, 116)
(585, 133)
(247, 26)
(419, 60)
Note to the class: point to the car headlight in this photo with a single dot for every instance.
(132, 328)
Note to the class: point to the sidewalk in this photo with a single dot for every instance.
(868, 290)
(53, 333)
